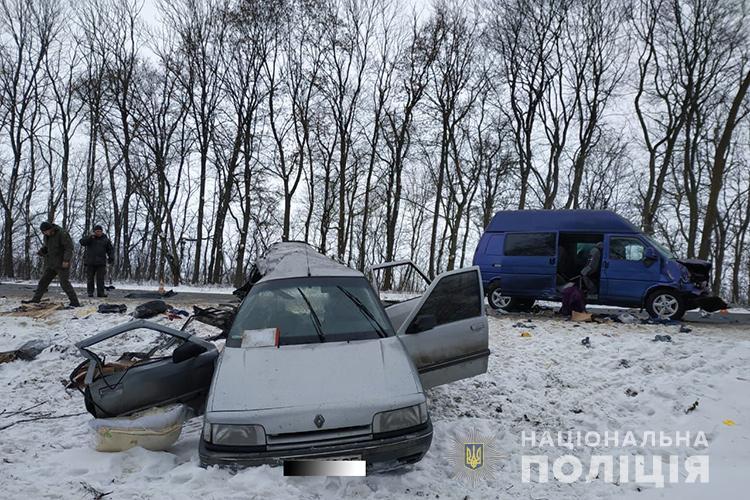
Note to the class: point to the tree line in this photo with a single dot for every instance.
(371, 129)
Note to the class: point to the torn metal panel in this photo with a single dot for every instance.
(137, 381)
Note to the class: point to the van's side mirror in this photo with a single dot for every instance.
(422, 323)
(650, 256)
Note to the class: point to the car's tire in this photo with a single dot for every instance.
(511, 304)
(665, 304)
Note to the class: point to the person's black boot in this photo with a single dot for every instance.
(91, 295)
(75, 304)
(32, 300)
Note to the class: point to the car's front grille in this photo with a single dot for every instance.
(327, 437)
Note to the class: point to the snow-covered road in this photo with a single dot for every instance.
(548, 381)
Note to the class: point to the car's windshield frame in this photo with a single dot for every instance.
(298, 287)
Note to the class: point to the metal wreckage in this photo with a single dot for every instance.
(313, 365)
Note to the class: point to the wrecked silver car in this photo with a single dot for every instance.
(336, 378)
(313, 365)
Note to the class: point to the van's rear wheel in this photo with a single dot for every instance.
(499, 301)
(665, 304)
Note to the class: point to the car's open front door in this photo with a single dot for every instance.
(446, 330)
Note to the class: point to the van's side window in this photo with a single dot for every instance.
(626, 249)
(530, 244)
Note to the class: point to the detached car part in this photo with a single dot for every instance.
(137, 381)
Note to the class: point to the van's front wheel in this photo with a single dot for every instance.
(665, 304)
(499, 301)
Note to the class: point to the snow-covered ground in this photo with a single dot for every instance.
(547, 381)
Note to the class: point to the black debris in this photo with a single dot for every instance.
(692, 407)
(26, 352)
(150, 295)
(151, 309)
(662, 338)
(586, 342)
(624, 363)
(112, 308)
(684, 329)
(630, 392)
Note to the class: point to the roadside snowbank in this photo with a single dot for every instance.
(546, 382)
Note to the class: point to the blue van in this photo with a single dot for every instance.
(528, 255)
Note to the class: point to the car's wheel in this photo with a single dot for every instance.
(665, 304)
(499, 301)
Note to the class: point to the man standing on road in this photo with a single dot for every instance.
(98, 254)
(57, 252)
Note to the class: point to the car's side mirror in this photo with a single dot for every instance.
(649, 256)
(186, 351)
(422, 323)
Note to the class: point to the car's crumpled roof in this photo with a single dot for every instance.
(293, 259)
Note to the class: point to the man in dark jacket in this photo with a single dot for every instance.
(57, 252)
(590, 273)
(98, 254)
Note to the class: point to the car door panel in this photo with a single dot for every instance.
(625, 277)
(456, 345)
(398, 281)
(528, 266)
(124, 387)
(399, 312)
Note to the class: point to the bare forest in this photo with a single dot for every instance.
(373, 129)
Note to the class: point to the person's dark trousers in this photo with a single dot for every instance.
(98, 273)
(63, 276)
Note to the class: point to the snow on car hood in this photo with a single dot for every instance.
(360, 373)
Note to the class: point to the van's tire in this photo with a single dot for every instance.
(665, 304)
(510, 304)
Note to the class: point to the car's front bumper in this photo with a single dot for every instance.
(378, 453)
(710, 303)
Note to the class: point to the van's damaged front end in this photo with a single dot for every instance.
(694, 276)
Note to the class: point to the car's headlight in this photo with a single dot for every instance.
(403, 418)
(234, 435)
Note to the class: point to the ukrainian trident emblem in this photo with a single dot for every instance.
(474, 456)
(474, 452)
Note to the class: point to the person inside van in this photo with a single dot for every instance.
(590, 272)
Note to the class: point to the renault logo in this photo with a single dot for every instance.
(319, 421)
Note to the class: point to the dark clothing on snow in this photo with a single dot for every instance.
(99, 250)
(58, 248)
(572, 300)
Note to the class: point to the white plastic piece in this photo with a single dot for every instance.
(155, 429)
(265, 337)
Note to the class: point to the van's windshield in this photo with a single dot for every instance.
(659, 248)
(312, 310)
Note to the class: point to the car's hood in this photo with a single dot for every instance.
(336, 373)
(699, 269)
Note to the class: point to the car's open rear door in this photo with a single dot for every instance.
(445, 331)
